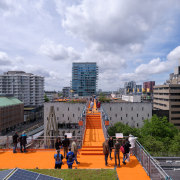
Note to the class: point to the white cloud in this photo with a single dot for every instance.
(4, 59)
(58, 52)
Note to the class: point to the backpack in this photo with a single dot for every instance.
(122, 149)
(58, 158)
(70, 158)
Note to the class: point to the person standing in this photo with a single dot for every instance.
(74, 149)
(23, 141)
(58, 160)
(132, 141)
(58, 144)
(106, 151)
(116, 152)
(111, 145)
(127, 145)
(65, 144)
(70, 158)
(15, 141)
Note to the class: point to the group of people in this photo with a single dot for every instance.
(22, 139)
(70, 152)
(127, 148)
(98, 103)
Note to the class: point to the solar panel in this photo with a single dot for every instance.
(4, 173)
(20, 174)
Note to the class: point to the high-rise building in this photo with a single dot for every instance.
(148, 86)
(167, 98)
(27, 87)
(84, 78)
(174, 78)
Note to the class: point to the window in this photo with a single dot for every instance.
(131, 118)
(131, 108)
(115, 115)
(137, 125)
(57, 118)
(126, 115)
(137, 115)
(121, 118)
(110, 118)
(78, 108)
(47, 118)
(121, 108)
(110, 108)
(142, 108)
(68, 118)
(62, 115)
(148, 114)
(68, 108)
(57, 109)
(142, 118)
(73, 115)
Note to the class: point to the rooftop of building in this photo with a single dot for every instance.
(9, 101)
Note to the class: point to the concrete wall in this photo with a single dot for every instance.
(65, 113)
(129, 113)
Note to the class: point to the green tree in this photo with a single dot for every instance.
(175, 144)
(46, 99)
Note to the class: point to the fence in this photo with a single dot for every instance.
(150, 165)
(104, 117)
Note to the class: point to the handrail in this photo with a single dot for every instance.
(104, 118)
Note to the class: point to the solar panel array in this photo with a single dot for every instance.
(4, 173)
(20, 174)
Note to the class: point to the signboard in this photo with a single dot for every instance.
(119, 135)
(69, 135)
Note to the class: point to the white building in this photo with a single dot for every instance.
(27, 87)
(134, 98)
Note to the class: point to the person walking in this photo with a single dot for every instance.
(15, 141)
(74, 149)
(116, 152)
(111, 145)
(58, 143)
(106, 151)
(65, 144)
(58, 159)
(127, 145)
(70, 158)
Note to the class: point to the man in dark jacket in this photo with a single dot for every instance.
(116, 152)
(15, 141)
(65, 144)
(127, 145)
(23, 141)
(106, 151)
(111, 145)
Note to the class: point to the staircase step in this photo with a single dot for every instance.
(92, 153)
(92, 146)
(92, 149)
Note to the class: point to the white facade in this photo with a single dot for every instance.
(134, 98)
(129, 113)
(26, 87)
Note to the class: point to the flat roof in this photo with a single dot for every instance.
(9, 101)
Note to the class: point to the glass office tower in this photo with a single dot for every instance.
(84, 78)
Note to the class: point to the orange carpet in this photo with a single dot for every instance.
(90, 157)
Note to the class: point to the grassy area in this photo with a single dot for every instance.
(78, 174)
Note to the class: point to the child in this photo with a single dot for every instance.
(70, 158)
(58, 159)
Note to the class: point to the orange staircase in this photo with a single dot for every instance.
(94, 136)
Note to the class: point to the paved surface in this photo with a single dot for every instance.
(92, 145)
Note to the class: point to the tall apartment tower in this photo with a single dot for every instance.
(84, 78)
(27, 87)
(148, 86)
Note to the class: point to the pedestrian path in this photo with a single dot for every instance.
(90, 157)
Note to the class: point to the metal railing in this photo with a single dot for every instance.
(152, 168)
(104, 117)
(40, 142)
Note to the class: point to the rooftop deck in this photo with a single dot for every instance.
(45, 160)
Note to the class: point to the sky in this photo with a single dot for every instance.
(130, 40)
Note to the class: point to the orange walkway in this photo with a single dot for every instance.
(91, 156)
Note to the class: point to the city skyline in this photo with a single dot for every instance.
(46, 37)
